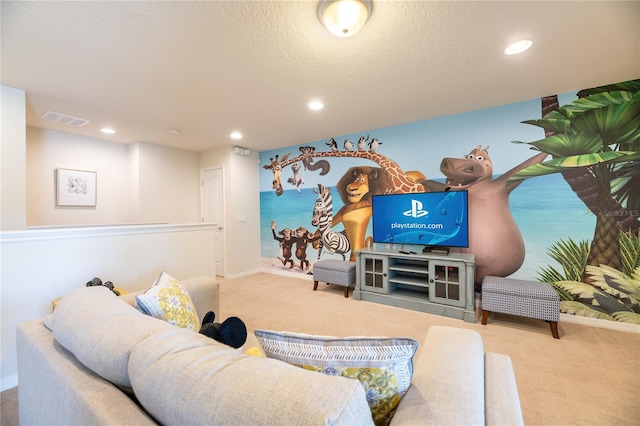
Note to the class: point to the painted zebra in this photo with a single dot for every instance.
(335, 242)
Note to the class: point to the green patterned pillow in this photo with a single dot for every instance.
(168, 300)
(384, 366)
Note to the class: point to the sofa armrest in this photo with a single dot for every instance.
(501, 391)
(448, 380)
(204, 292)
(54, 388)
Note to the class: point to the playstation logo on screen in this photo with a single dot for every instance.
(416, 210)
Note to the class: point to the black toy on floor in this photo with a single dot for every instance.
(231, 332)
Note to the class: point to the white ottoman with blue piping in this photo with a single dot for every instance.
(331, 271)
(531, 299)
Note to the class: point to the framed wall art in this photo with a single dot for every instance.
(76, 188)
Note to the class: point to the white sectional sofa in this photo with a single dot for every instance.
(97, 360)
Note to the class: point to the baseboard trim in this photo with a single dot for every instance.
(298, 275)
(594, 322)
(575, 319)
(9, 382)
(243, 274)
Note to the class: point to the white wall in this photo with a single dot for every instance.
(40, 265)
(134, 181)
(242, 199)
(244, 202)
(48, 150)
(137, 183)
(169, 184)
(13, 198)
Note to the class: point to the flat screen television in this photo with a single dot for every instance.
(430, 219)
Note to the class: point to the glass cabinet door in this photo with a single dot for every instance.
(447, 283)
(374, 275)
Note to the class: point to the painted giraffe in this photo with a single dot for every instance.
(399, 181)
(276, 167)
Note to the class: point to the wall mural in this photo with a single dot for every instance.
(573, 221)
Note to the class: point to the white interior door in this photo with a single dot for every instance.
(212, 195)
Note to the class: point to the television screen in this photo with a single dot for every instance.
(426, 218)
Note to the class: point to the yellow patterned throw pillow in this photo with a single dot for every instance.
(168, 300)
(384, 366)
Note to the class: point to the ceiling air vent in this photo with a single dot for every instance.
(68, 120)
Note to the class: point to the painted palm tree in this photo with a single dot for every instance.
(597, 139)
(582, 182)
(611, 294)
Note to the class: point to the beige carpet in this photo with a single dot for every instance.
(9, 407)
(590, 376)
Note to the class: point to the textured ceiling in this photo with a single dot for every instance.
(211, 67)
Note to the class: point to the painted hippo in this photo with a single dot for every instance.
(494, 235)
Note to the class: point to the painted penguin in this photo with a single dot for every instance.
(373, 145)
(362, 142)
(333, 144)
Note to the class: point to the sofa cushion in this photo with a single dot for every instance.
(182, 377)
(448, 383)
(168, 300)
(502, 403)
(100, 329)
(384, 366)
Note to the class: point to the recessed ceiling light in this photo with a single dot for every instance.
(108, 130)
(316, 105)
(236, 135)
(518, 47)
(174, 131)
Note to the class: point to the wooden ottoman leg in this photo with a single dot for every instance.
(346, 292)
(315, 285)
(554, 329)
(485, 316)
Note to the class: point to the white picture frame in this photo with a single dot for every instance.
(76, 188)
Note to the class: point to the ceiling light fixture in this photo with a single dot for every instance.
(518, 47)
(108, 131)
(236, 135)
(344, 18)
(316, 105)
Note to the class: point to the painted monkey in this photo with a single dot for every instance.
(286, 242)
(303, 238)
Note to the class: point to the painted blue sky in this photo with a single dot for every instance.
(422, 145)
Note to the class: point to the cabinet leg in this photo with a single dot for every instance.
(485, 316)
(554, 330)
(315, 285)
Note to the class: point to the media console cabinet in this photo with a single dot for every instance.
(440, 284)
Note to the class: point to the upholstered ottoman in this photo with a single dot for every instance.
(531, 299)
(333, 271)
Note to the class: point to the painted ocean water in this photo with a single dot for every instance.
(545, 209)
